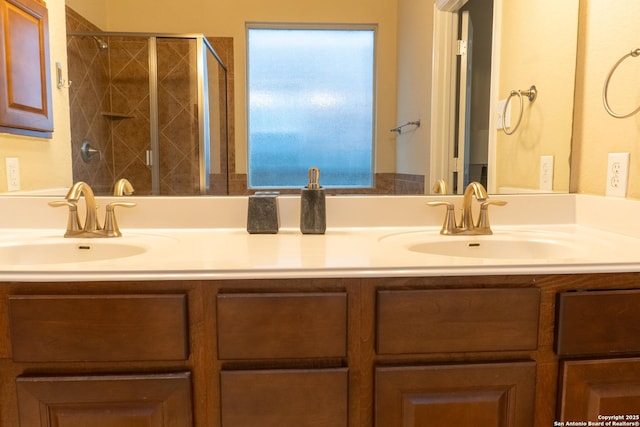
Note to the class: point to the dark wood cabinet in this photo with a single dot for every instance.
(25, 80)
(508, 351)
(467, 395)
(157, 400)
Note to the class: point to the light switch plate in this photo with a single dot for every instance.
(617, 174)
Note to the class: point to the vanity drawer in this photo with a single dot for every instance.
(287, 325)
(92, 328)
(285, 398)
(458, 320)
(598, 322)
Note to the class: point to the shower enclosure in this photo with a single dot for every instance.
(151, 108)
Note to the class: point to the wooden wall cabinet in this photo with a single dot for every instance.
(25, 77)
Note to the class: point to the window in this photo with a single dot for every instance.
(310, 94)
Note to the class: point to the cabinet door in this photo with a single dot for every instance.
(105, 401)
(25, 88)
(285, 398)
(487, 395)
(600, 387)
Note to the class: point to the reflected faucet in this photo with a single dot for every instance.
(441, 187)
(123, 188)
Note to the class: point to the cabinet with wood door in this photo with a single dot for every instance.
(598, 340)
(429, 331)
(283, 359)
(98, 359)
(25, 80)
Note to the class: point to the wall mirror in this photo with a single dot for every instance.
(532, 44)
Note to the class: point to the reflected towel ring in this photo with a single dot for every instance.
(531, 93)
(605, 90)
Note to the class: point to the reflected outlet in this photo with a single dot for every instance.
(546, 173)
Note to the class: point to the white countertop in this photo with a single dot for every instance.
(366, 237)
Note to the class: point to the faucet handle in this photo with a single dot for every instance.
(449, 225)
(111, 228)
(483, 219)
(73, 220)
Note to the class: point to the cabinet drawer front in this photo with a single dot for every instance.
(460, 320)
(285, 398)
(598, 322)
(256, 326)
(56, 328)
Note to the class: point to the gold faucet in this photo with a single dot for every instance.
(91, 217)
(467, 226)
(91, 226)
(473, 189)
(123, 188)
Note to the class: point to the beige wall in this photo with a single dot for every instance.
(228, 18)
(45, 163)
(540, 50)
(609, 30)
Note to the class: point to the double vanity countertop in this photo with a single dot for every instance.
(367, 236)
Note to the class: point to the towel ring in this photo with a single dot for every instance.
(531, 93)
(605, 90)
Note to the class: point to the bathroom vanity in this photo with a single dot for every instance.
(346, 329)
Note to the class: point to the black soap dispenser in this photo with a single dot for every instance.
(313, 217)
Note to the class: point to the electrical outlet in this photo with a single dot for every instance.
(617, 174)
(13, 173)
(507, 115)
(546, 173)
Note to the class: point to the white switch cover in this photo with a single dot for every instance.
(617, 174)
(546, 173)
(507, 116)
(13, 173)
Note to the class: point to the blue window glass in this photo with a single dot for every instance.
(311, 94)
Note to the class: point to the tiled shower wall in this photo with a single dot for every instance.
(88, 97)
(111, 107)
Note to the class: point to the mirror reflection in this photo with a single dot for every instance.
(416, 79)
(158, 114)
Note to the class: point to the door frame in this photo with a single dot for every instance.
(443, 89)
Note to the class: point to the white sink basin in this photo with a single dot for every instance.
(500, 248)
(501, 245)
(67, 251)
